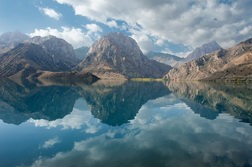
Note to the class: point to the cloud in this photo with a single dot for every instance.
(76, 120)
(93, 28)
(50, 143)
(75, 36)
(112, 24)
(191, 22)
(51, 13)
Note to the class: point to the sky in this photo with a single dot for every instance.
(169, 26)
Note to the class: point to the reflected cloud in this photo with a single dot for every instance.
(50, 143)
(172, 137)
(77, 119)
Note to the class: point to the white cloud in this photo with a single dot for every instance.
(75, 36)
(51, 13)
(77, 119)
(93, 28)
(191, 22)
(112, 24)
(50, 143)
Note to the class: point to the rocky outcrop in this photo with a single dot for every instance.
(120, 55)
(168, 59)
(235, 62)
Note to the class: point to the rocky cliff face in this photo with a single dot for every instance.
(203, 50)
(115, 53)
(235, 62)
(61, 51)
(168, 59)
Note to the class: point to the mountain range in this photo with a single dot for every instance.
(116, 56)
(230, 64)
(175, 61)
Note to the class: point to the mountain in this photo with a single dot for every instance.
(61, 51)
(234, 63)
(203, 50)
(118, 56)
(25, 56)
(81, 53)
(168, 59)
(9, 40)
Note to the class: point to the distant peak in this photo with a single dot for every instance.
(248, 41)
(211, 44)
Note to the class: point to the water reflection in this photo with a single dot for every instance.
(211, 99)
(118, 104)
(114, 103)
(19, 103)
(125, 124)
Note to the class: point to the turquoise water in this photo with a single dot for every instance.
(125, 124)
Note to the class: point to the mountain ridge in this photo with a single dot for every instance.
(213, 66)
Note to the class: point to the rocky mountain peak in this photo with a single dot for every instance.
(248, 41)
(13, 37)
(119, 43)
(121, 54)
(204, 49)
(9, 40)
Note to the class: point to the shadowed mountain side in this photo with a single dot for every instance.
(119, 104)
(48, 103)
(209, 99)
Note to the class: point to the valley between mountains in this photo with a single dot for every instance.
(116, 56)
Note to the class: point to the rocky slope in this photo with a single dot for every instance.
(118, 56)
(62, 52)
(203, 50)
(168, 59)
(235, 62)
(25, 56)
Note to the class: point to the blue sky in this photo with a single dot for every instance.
(171, 26)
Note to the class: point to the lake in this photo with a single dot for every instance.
(131, 124)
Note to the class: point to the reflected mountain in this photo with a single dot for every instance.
(211, 99)
(116, 105)
(19, 103)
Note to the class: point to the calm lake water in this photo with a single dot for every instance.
(125, 124)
